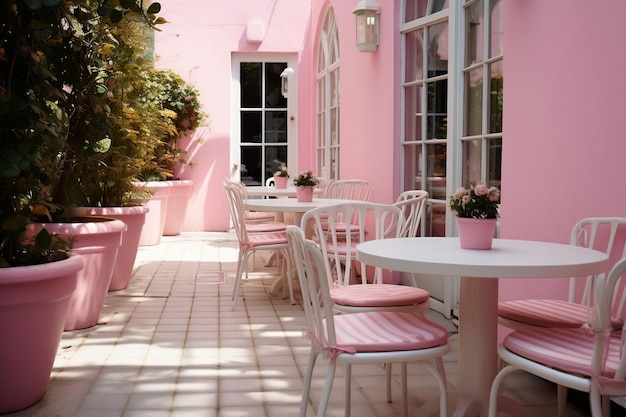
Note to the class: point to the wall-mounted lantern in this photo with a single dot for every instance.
(285, 75)
(367, 25)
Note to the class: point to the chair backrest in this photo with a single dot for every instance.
(413, 205)
(338, 240)
(604, 293)
(349, 190)
(236, 197)
(606, 234)
(270, 182)
(318, 308)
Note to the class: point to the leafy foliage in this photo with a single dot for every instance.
(306, 179)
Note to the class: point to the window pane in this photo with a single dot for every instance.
(473, 102)
(436, 220)
(273, 95)
(276, 127)
(251, 165)
(414, 56)
(496, 18)
(274, 157)
(471, 161)
(413, 167)
(436, 181)
(415, 9)
(494, 162)
(438, 49)
(437, 127)
(251, 127)
(474, 33)
(496, 97)
(250, 74)
(413, 113)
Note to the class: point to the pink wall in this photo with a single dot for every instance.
(198, 43)
(563, 124)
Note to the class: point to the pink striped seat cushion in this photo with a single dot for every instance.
(378, 295)
(259, 215)
(259, 239)
(387, 331)
(341, 249)
(266, 227)
(548, 313)
(569, 350)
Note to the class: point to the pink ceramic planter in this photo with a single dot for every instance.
(177, 206)
(34, 302)
(155, 218)
(134, 217)
(98, 239)
(476, 234)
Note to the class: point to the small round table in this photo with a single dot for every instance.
(478, 295)
(265, 191)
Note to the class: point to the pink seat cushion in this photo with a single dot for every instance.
(378, 295)
(569, 350)
(266, 227)
(387, 331)
(259, 216)
(259, 239)
(548, 313)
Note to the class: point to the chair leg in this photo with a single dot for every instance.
(495, 389)
(306, 389)
(241, 265)
(561, 400)
(404, 401)
(347, 401)
(328, 386)
(388, 377)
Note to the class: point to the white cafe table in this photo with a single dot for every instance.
(265, 191)
(478, 295)
(288, 205)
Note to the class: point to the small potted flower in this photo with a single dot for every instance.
(281, 177)
(305, 184)
(477, 214)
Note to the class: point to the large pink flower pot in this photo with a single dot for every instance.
(157, 205)
(98, 239)
(177, 206)
(34, 301)
(134, 217)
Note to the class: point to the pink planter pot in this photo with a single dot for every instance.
(476, 233)
(134, 217)
(34, 302)
(177, 206)
(98, 239)
(304, 194)
(155, 218)
(281, 182)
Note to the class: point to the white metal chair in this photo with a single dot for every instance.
(377, 337)
(607, 234)
(352, 189)
(413, 205)
(338, 241)
(250, 243)
(590, 359)
(254, 217)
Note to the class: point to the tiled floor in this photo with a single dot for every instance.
(170, 345)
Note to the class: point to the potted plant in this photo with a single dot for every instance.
(477, 214)
(281, 177)
(305, 184)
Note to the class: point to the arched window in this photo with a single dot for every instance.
(327, 107)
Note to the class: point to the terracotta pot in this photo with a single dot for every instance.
(134, 217)
(177, 206)
(34, 301)
(476, 233)
(157, 205)
(98, 239)
(304, 194)
(281, 182)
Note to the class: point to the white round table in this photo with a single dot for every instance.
(265, 191)
(289, 205)
(478, 295)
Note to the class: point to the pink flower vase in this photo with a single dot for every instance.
(476, 233)
(281, 182)
(304, 194)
